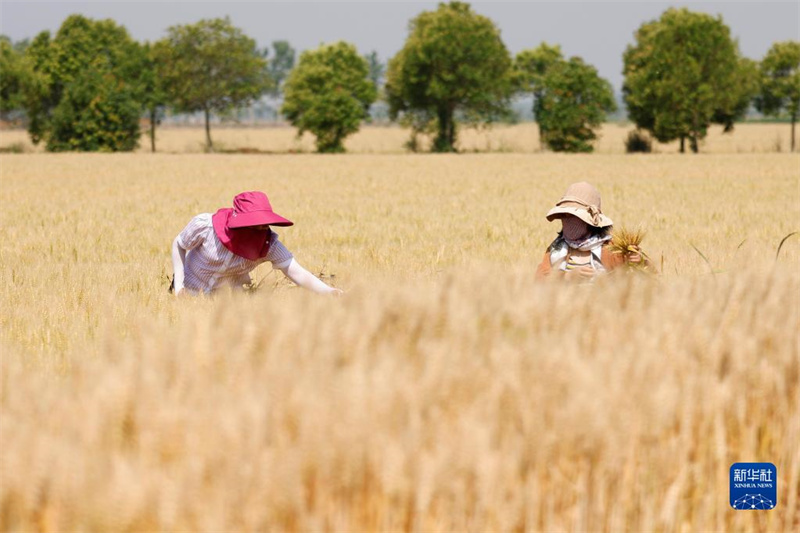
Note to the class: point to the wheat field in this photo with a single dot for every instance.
(446, 390)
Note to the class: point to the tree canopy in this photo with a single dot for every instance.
(280, 65)
(780, 82)
(329, 94)
(13, 74)
(572, 105)
(211, 66)
(453, 61)
(683, 73)
(376, 69)
(154, 94)
(83, 90)
(529, 70)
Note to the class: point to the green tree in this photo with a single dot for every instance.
(780, 82)
(328, 94)
(376, 69)
(211, 66)
(18, 46)
(95, 114)
(453, 62)
(39, 92)
(13, 75)
(154, 95)
(530, 67)
(21, 45)
(280, 65)
(732, 104)
(573, 103)
(683, 73)
(83, 91)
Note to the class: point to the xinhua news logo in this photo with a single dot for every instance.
(754, 486)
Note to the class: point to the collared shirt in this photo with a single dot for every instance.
(209, 265)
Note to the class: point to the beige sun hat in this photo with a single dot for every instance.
(583, 201)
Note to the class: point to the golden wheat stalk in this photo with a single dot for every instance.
(628, 242)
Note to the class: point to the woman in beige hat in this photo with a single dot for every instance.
(581, 250)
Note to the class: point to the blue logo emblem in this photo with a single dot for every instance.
(754, 486)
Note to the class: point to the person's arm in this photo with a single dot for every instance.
(545, 270)
(178, 260)
(303, 278)
(639, 257)
(188, 239)
(544, 267)
(611, 260)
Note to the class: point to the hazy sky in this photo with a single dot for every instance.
(598, 31)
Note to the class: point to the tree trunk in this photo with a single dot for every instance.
(683, 148)
(338, 143)
(445, 138)
(153, 130)
(451, 137)
(693, 144)
(444, 127)
(794, 119)
(541, 138)
(537, 99)
(209, 146)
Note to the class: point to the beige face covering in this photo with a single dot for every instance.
(574, 228)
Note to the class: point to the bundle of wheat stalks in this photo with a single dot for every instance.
(628, 242)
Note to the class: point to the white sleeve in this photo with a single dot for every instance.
(306, 279)
(278, 255)
(178, 259)
(195, 232)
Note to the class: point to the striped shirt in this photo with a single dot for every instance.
(561, 256)
(209, 265)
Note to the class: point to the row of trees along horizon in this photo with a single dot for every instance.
(88, 87)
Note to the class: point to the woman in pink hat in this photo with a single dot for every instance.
(582, 249)
(222, 249)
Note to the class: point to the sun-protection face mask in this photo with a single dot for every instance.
(247, 242)
(574, 228)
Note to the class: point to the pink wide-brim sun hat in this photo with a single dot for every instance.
(253, 209)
